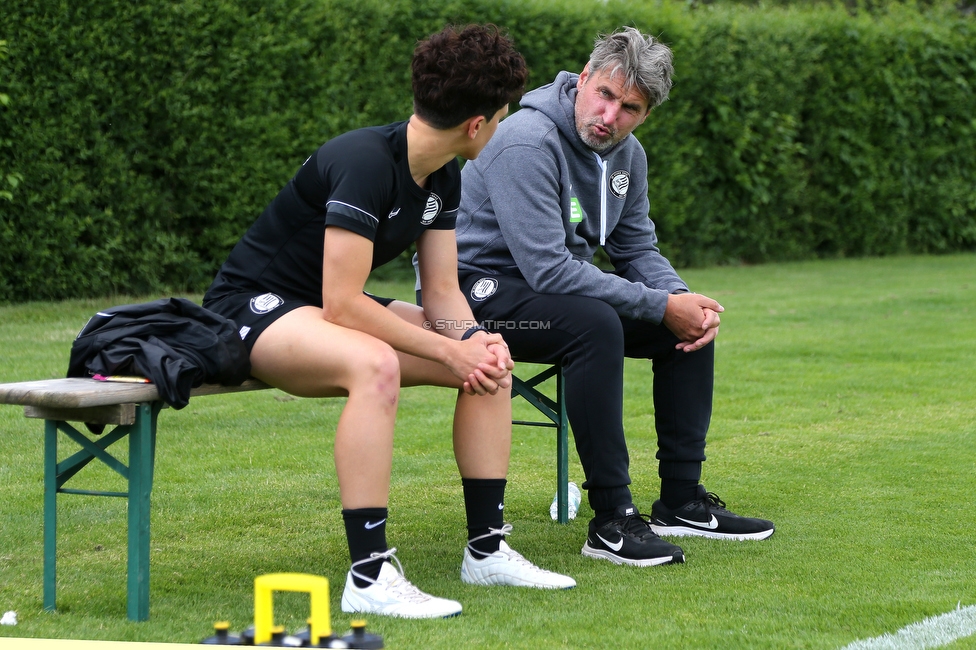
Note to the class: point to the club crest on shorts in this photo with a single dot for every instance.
(432, 210)
(619, 183)
(266, 302)
(484, 289)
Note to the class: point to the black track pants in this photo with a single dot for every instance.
(592, 340)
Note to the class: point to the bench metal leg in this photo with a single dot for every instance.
(142, 444)
(562, 452)
(555, 411)
(50, 512)
(138, 474)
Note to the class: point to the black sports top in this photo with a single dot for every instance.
(359, 181)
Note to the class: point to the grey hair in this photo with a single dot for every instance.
(644, 61)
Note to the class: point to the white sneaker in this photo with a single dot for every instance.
(393, 595)
(508, 567)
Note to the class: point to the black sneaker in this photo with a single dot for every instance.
(628, 539)
(706, 516)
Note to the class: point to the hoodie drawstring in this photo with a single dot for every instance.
(603, 198)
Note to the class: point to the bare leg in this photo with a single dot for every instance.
(307, 356)
(482, 423)
(482, 443)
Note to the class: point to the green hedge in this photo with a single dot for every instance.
(138, 140)
(817, 134)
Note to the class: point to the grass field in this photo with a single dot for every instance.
(845, 411)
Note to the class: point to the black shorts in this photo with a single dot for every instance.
(254, 312)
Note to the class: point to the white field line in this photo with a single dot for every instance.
(933, 632)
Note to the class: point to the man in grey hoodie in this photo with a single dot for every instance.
(562, 177)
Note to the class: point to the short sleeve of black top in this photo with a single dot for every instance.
(359, 181)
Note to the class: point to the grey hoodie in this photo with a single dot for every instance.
(538, 202)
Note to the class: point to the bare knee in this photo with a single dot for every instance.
(376, 375)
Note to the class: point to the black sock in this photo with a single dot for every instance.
(484, 503)
(365, 534)
(601, 517)
(605, 501)
(677, 492)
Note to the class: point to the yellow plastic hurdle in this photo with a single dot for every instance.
(316, 586)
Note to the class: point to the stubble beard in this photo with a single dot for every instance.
(595, 143)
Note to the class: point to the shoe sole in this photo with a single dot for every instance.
(599, 554)
(503, 580)
(349, 608)
(683, 531)
(376, 613)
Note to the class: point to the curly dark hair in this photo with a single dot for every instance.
(461, 72)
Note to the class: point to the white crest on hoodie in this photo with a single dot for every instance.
(619, 183)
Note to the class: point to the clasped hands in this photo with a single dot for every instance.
(485, 365)
(693, 318)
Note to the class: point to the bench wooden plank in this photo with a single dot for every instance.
(114, 414)
(80, 392)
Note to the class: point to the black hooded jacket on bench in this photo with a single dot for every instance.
(172, 341)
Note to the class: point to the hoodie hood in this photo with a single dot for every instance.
(557, 101)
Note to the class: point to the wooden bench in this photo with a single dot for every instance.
(133, 410)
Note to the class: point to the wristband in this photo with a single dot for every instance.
(471, 332)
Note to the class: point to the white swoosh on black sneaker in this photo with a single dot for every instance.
(616, 547)
(710, 525)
